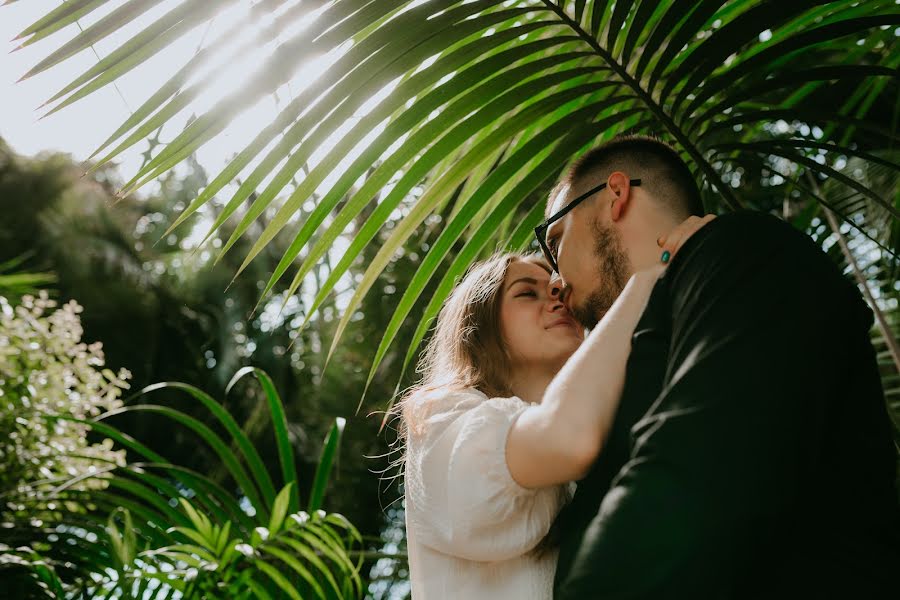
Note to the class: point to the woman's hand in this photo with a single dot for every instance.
(671, 242)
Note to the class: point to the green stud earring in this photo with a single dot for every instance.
(666, 256)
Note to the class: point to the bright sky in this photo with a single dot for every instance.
(80, 128)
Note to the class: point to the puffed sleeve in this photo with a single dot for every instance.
(461, 497)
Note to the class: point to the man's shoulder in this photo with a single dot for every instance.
(734, 226)
(747, 249)
(737, 236)
(754, 220)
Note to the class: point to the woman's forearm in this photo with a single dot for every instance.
(582, 399)
(559, 439)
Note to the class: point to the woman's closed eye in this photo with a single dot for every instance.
(526, 293)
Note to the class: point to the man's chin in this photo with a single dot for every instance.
(587, 317)
(592, 310)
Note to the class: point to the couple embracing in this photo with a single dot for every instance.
(720, 431)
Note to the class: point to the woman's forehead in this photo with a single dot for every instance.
(522, 268)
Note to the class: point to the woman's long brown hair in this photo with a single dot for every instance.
(467, 349)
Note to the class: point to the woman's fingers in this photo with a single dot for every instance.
(672, 242)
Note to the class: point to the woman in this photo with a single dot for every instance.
(512, 407)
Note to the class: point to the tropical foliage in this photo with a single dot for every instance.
(416, 136)
(191, 533)
(481, 103)
(163, 311)
(15, 283)
(45, 368)
(855, 249)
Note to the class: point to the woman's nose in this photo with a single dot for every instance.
(556, 282)
(554, 302)
(556, 289)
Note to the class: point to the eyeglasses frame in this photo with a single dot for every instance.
(540, 232)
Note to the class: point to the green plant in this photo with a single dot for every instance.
(15, 283)
(295, 554)
(45, 369)
(41, 572)
(178, 325)
(154, 528)
(483, 103)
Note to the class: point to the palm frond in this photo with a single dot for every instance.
(482, 103)
(115, 529)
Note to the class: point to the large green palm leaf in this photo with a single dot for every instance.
(486, 101)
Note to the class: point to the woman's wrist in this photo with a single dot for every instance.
(650, 274)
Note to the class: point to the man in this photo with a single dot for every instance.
(752, 454)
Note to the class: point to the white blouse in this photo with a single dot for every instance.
(470, 526)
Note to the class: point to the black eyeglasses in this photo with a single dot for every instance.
(540, 232)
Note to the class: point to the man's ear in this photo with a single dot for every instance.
(619, 188)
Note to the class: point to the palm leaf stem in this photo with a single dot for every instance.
(883, 325)
(649, 102)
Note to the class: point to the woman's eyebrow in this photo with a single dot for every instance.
(530, 280)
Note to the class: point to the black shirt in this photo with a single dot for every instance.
(751, 456)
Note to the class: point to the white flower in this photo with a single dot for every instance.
(46, 370)
(301, 517)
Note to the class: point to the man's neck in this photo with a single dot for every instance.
(641, 247)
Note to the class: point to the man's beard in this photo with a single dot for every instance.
(613, 275)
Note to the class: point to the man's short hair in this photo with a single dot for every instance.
(663, 174)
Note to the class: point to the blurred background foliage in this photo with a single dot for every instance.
(163, 310)
(429, 137)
